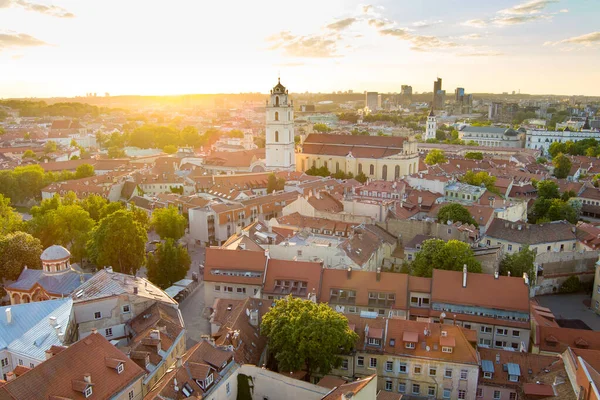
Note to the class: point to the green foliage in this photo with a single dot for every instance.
(302, 333)
(519, 263)
(235, 133)
(17, 250)
(274, 183)
(170, 149)
(456, 213)
(23, 183)
(586, 147)
(260, 142)
(168, 223)
(548, 189)
(94, 204)
(169, 264)
(435, 156)
(361, 177)
(342, 175)
(322, 171)
(438, 254)
(571, 285)
(50, 147)
(40, 109)
(481, 178)
(357, 132)
(541, 160)
(29, 154)
(472, 143)
(118, 241)
(482, 123)
(190, 137)
(440, 135)
(84, 171)
(474, 155)
(115, 152)
(10, 220)
(562, 166)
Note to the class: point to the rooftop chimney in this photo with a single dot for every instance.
(48, 354)
(52, 321)
(179, 362)
(508, 274)
(526, 278)
(464, 283)
(87, 377)
(57, 329)
(8, 315)
(135, 290)
(378, 274)
(254, 318)
(155, 334)
(10, 376)
(349, 272)
(94, 331)
(496, 274)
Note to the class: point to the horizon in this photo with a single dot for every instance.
(66, 48)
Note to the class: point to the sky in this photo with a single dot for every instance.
(149, 47)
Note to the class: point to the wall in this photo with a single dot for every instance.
(136, 387)
(596, 291)
(426, 183)
(210, 294)
(488, 391)
(406, 230)
(558, 267)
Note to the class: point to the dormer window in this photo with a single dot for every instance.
(120, 368)
(487, 375)
(409, 345)
(88, 392)
(446, 349)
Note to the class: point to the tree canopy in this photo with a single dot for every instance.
(562, 166)
(118, 241)
(519, 263)
(168, 223)
(480, 178)
(550, 205)
(474, 155)
(456, 213)
(17, 250)
(10, 220)
(321, 128)
(274, 183)
(435, 156)
(438, 254)
(168, 264)
(303, 333)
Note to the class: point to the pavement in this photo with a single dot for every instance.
(193, 313)
(571, 306)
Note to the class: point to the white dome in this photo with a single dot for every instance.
(55, 252)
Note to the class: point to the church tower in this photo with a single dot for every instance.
(431, 126)
(279, 144)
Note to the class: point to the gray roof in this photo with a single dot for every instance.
(483, 129)
(106, 283)
(28, 332)
(59, 283)
(530, 234)
(55, 252)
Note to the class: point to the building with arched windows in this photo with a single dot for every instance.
(279, 141)
(56, 279)
(378, 157)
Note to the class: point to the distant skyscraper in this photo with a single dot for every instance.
(459, 95)
(372, 100)
(406, 95)
(439, 96)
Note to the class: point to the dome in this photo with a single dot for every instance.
(510, 132)
(55, 252)
(279, 88)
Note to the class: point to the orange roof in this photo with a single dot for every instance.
(229, 261)
(301, 271)
(556, 339)
(526, 361)
(364, 282)
(341, 391)
(510, 293)
(419, 284)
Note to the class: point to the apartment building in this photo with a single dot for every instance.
(413, 358)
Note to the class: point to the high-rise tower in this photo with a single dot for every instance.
(279, 144)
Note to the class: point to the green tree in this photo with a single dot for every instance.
(303, 333)
(548, 189)
(519, 263)
(556, 148)
(189, 136)
(456, 213)
(361, 177)
(474, 155)
(118, 241)
(571, 285)
(110, 208)
(115, 152)
(168, 223)
(541, 160)
(10, 220)
(29, 154)
(435, 156)
(562, 166)
(481, 178)
(236, 133)
(438, 254)
(321, 128)
(170, 149)
(169, 264)
(84, 171)
(94, 204)
(50, 147)
(17, 250)
(274, 183)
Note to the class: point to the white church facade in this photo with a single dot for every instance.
(279, 143)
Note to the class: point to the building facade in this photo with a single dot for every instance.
(491, 136)
(543, 139)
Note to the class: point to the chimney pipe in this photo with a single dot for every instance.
(48, 354)
(87, 377)
(8, 315)
(508, 274)
(496, 274)
(94, 331)
(378, 274)
(135, 290)
(52, 321)
(464, 281)
(179, 362)
(10, 376)
(349, 272)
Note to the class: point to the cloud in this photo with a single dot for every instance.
(13, 39)
(426, 23)
(564, 10)
(475, 23)
(471, 36)
(589, 39)
(508, 20)
(529, 7)
(378, 23)
(366, 9)
(54, 11)
(291, 64)
(17, 56)
(341, 24)
(482, 54)
(310, 46)
(419, 42)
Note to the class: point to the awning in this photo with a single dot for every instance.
(514, 369)
(487, 366)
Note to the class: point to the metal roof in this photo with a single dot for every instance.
(514, 369)
(174, 290)
(56, 283)
(55, 252)
(487, 366)
(25, 317)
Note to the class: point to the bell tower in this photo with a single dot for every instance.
(431, 126)
(279, 145)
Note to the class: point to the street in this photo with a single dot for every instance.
(192, 309)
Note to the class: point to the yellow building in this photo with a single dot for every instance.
(378, 157)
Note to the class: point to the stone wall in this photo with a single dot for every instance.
(558, 266)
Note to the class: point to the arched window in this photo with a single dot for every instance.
(325, 164)
(397, 172)
(372, 169)
(276, 101)
(337, 167)
(384, 173)
(289, 115)
(290, 158)
(360, 168)
(314, 164)
(276, 136)
(302, 164)
(276, 116)
(410, 170)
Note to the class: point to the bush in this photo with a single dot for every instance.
(571, 285)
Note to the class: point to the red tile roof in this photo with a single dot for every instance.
(556, 339)
(301, 271)
(234, 260)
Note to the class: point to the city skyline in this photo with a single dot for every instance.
(66, 48)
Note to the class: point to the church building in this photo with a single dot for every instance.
(279, 143)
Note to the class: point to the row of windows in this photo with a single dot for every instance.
(232, 289)
(403, 368)
(417, 390)
(384, 170)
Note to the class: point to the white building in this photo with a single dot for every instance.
(490, 136)
(431, 126)
(543, 139)
(280, 130)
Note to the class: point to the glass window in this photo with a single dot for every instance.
(403, 369)
(360, 361)
(417, 369)
(432, 371)
(463, 374)
(462, 394)
(448, 373)
(389, 366)
(431, 391)
(447, 393)
(496, 394)
(388, 386)
(373, 362)
(401, 387)
(416, 388)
